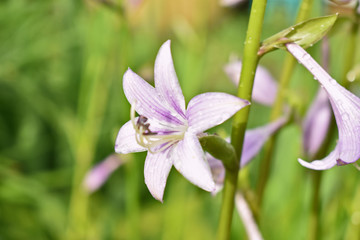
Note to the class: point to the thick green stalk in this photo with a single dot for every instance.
(277, 110)
(250, 61)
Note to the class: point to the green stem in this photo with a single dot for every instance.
(277, 110)
(314, 226)
(227, 207)
(250, 61)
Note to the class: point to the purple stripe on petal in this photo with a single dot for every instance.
(156, 171)
(346, 107)
(148, 102)
(210, 109)
(189, 159)
(265, 87)
(166, 81)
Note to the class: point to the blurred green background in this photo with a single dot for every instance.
(62, 104)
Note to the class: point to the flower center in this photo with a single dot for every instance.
(155, 141)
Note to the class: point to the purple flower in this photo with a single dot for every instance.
(316, 124)
(166, 129)
(346, 107)
(100, 173)
(265, 87)
(254, 139)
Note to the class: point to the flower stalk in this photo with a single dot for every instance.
(250, 62)
(288, 69)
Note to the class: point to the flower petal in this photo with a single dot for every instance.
(166, 81)
(125, 140)
(189, 159)
(148, 102)
(156, 170)
(210, 109)
(325, 163)
(100, 173)
(346, 107)
(255, 138)
(316, 124)
(265, 87)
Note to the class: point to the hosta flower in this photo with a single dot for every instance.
(316, 124)
(265, 87)
(254, 140)
(166, 129)
(346, 107)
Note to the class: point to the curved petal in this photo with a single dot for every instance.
(316, 124)
(189, 159)
(210, 109)
(148, 102)
(326, 163)
(255, 138)
(156, 171)
(346, 107)
(125, 140)
(166, 81)
(265, 87)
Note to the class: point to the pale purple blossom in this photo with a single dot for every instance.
(316, 124)
(254, 140)
(346, 108)
(265, 87)
(166, 129)
(101, 172)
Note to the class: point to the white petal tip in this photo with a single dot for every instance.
(317, 164)
(157, 195)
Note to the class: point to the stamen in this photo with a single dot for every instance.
(150, 140)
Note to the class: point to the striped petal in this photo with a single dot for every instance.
(210, 109)
(346, 107)
(156, 171)
(147, 101)
(189, 159)
(166, 81)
